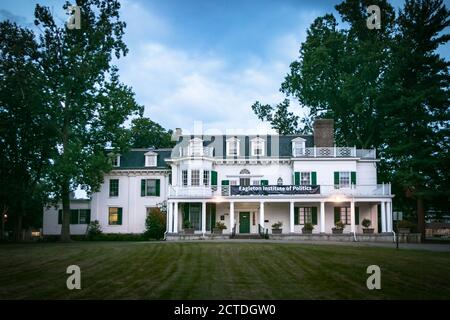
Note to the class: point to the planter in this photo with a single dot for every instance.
(217, 231)
(368, 230)
(306, 231)
(404, 230)
(189, 230)
(276, 231)
(337, 231)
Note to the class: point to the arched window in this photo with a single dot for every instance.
(244, 171)
(280, 181)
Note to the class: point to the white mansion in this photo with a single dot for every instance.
(247, 182)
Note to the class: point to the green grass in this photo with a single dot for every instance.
(124, 270)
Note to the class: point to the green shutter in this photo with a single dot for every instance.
(88, 216)
(336, 178)
(185, 212)
(296, 220)
(119, 216)
(225, 182)
(212, 207)
(314, 178)
(74, 216)
(356, 215)
(264, 182)
(297, 178)
(353, 177)
(337, 214)
(158, 187)
(142, 187)
(314, 215)
(60, 216)
(214, 178)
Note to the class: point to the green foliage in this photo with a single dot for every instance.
(279, 117)
(119, 237)
(94, 229)
(187, 224)
(366, 223)
(308, 226)
(148, 134)
(155, 224)
(277, 225)
(339, 225)
(406, 224)
(220, 225)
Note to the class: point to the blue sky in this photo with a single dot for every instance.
(205, 61)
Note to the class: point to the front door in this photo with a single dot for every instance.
(244, 222)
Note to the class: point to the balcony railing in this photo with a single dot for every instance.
(196, 152)
(334, 152)
(325, 190)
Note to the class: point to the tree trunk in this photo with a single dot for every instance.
(18, 227)
(4, 212)
(65, 226)
(421, 217)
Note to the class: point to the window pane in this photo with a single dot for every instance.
(113, 216)
(195, 177)
(344, 179)
(244, 181)
(151, 187)
(305, 178)
(206, 178)
(114, 187)
(185, 177)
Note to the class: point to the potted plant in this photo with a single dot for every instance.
(276, 227)
(188, 228)
(307, 228)
(366, 223)
(219, 227)
(404, 226)
(338, 227)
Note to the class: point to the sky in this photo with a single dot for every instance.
(203, 63)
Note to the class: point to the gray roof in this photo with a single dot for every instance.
(135, 158)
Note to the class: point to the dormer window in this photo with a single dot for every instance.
(233, 147)
(151, 159)
(115, 159)
(298, 147)
(196, 147)
(258, 147)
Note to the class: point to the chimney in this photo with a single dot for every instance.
(177, 134)
(323, 132)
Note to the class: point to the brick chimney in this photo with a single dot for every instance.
(323, 132)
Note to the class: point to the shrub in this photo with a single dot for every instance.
(366, 223)
(119, 237)
(187, 224)
(405, 224)
(155, 224)
(94, 229)
(339, 225)
(220, 225)
(308, 226)
(277, 225)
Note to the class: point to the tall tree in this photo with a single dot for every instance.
(26, 132)
(88, 102)
(279, 116)
(148, 134)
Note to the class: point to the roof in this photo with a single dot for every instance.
(135, 158)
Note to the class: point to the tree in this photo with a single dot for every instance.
(279, 117)
(148, 134)
(155, 224)
(26, 132)
(88, 103)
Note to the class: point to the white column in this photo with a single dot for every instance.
(231, 216)
(203, 217)
(322, 216)
(389, 216)
(352, 216)
(383, 217)
(291, 216)
(169, 216)
(261, 214)
(175, 217)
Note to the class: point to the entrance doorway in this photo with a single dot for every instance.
(244, 222)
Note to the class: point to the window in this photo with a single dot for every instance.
(77, 216)
(196, 147)
(244, 181)
(115, 216)
(205, 177)
(345, 215)
(256, 182)
(150, 187)
(257, 147)
(244, 171)
(280, 181)
(305, 178)
(305, 215)
(233, 183)
(233, 147)
(113, 187)
(150, 160)
(184, 177)
(115, 161)
(298, 147)
(195, 177)
(344, 179)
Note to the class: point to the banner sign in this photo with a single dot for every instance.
(275, 189)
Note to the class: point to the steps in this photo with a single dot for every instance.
(247, 236)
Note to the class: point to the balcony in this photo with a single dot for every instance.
(324, 190)
(196, 152)
(334, 152)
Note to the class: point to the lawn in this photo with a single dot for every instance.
(130, 270)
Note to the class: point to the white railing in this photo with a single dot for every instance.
(196, 152)
(326, 190)
(334, 152)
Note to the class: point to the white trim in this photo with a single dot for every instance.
(238, 144)
(263, 148)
